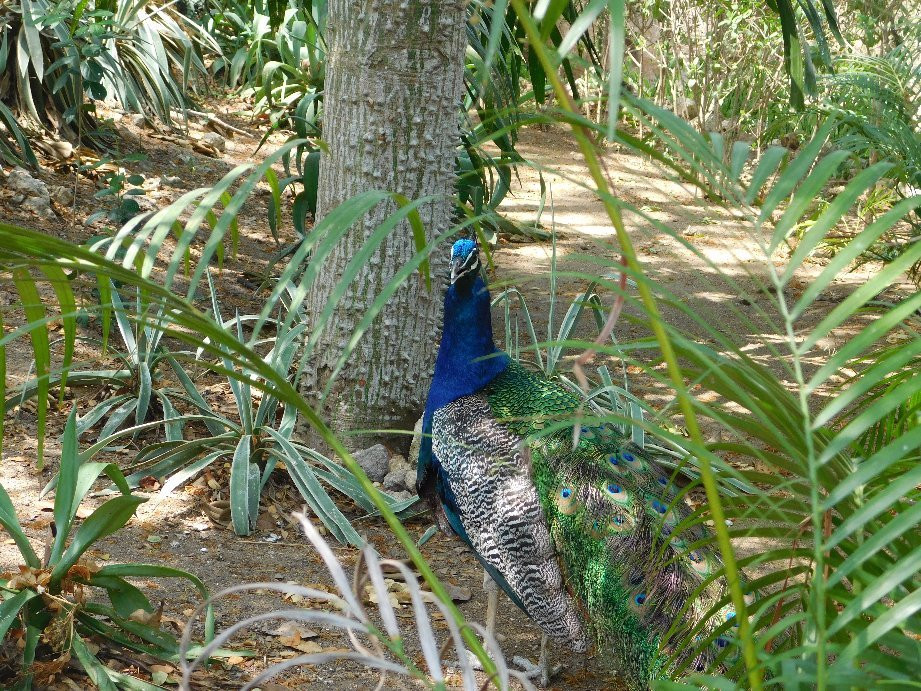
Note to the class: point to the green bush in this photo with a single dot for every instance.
(62, 56)
(49, 608)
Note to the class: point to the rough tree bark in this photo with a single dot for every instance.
(394, 83)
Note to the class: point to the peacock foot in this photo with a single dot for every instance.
(542, 670)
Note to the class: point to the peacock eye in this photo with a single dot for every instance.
(613, 488)
(663, 481)
(613, 459)
(566, 493)
(722, 642)
(619, 520)
(629, 457)
(640, 599)
(695, 556)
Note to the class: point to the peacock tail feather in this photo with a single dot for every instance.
(613, 512)
(582, 536)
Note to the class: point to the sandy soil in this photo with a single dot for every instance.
(185, 535)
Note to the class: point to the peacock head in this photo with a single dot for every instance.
(465, 261)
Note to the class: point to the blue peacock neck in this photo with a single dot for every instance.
(468, 358)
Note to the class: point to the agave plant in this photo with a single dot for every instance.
(61, 54)
(256, 440)
(138, 390)
(14, 144)
(50, 609)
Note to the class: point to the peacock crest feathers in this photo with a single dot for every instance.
(463, 248)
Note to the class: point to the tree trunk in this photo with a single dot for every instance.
(394, 83)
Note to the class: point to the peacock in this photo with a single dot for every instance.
(581, 537)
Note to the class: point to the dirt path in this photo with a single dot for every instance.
(711, 262)
(185, 537)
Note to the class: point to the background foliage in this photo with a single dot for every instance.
(827, 469)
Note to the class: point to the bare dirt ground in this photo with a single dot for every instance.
(178, 531)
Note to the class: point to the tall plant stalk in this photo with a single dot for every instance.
(592, 160)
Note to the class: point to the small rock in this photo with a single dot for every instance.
(288, 628)
(62, 150)
(63, 195)
(19, 180)
(400, 495)
(375, 461)
(394, 480)
(397, 462)
(171, 180)
(145, 203)
(40, 206)
(138, 119)
(458, 593)
(409, 479)
(416, 443)
(215, 140)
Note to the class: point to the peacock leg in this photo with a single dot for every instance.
(544, 663)
(542, 669)
(492, 603)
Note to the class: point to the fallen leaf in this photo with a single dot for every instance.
(149, 483)
(296, 643)
(290, 628)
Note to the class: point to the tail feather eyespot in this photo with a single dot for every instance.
(700, 562)
(621, 523)
(639, 602)
(632, 462)
(566, 500)
(616, 493)
(662, 511)
(597, 529)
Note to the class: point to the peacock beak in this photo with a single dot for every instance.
(461, 266)
(457, 268)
